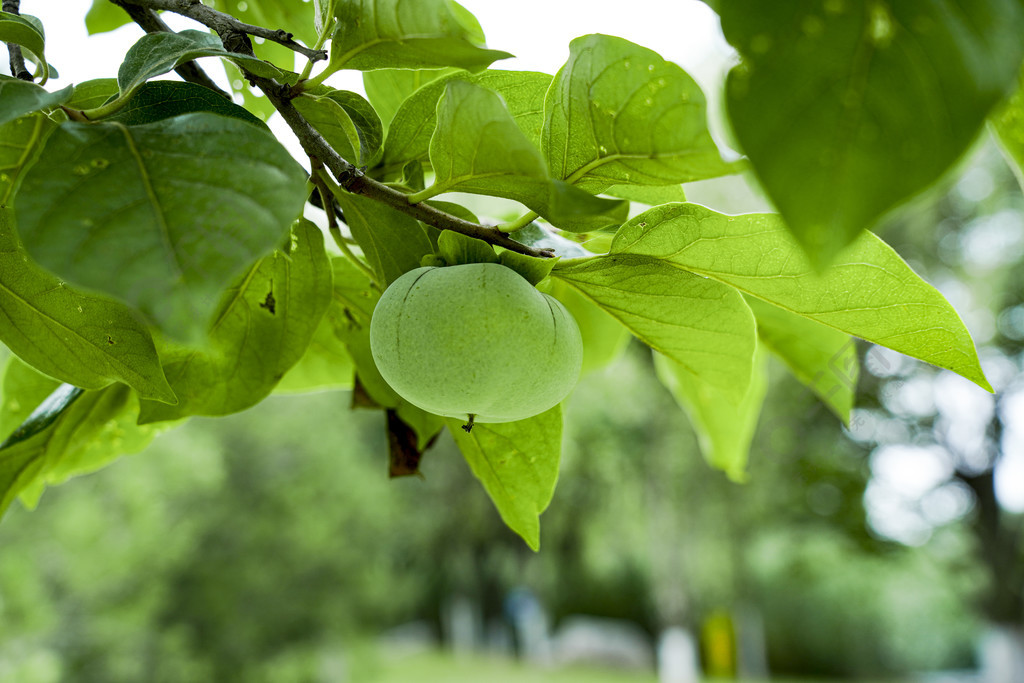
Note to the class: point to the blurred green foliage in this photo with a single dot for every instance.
(270, 545)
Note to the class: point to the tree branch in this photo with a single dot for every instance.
(150, 22)
(225, 24)
(234, 36)
(17, 60)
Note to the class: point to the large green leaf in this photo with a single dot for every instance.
(387, 89)
(65, 432)
(869, 291)
(262, 328)
(161, 100)
(105, 16)
(618, 113)
(394, 34)
(163, 215)
(392, 242)
(478, 148)
(604, 337)
(725, 426)
(157, 53)
(847, 109)
(517, 463)
(79, 338)
(346, 121)
(26, 31)
(20, 142)
(18, 98)
(701, 324)
(821, 357)
(326, 365)
(414, 122)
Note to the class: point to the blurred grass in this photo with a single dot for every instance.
(440, 667)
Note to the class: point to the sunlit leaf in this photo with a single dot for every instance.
(21, 141)
(517, 463)
(618, 113)
(105, 16)
(392, 34)
(67, 432)
(701, 324)
(414, 122)
(868, 292)
(725, 426)
(478, 148)
(821, 357)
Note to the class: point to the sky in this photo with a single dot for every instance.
(908, 494)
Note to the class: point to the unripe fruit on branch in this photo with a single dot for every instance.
(475, 342)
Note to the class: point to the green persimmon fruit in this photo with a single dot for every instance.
(476, 342)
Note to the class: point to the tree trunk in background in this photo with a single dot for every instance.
(1001, 652)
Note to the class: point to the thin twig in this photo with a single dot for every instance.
(18, 69)
(150, 22)
(225, 24)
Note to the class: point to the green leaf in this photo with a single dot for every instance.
(91, 94)
(157, 53)
(701, 324)
(326, 365)
(458, 249)
(725, 426)
(604, 337)
(20, 142)
(80, 431)
(79, 338)
(346, 121)
(387, 89)
(868, 292)
(392, 242)
(1007, 123)
(27, 31)
(651, 195)
(18, 98)
(533, 269)
(392, 34)
(262, 328)
(163, 215)
(105, 16)
(161, 100)
(847, 110)
(478, 148)
(517, 463)
(618, 113)
(821, 357)
(414, 122)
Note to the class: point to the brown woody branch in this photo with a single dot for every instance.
(234, 35)
(226, 24)
(17, 60)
